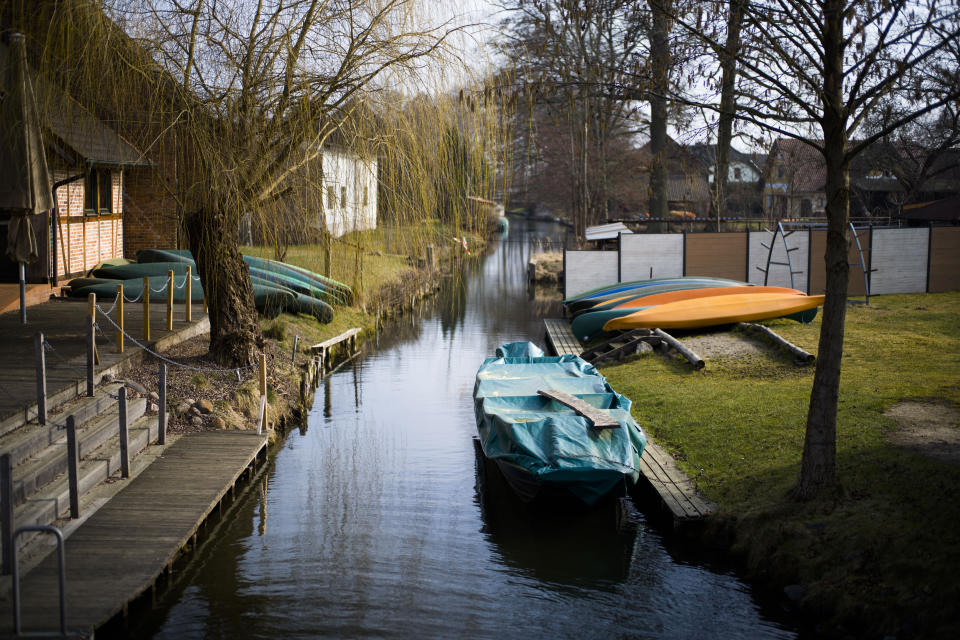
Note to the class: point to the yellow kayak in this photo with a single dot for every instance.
(707, 312)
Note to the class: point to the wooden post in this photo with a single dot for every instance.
(170, 300)
(73, 466)
(6, 513)
(162, 405)
(41, 358)
(120, 318)
(91, 341)
(296, 343)
(263, 374)
(263, 393)
(188, 302)
(146, 309)
(124, 434)
(431, 260)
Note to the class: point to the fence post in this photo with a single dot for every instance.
(124, 434)
(296, 343)
(91, 341)
(73, 467)
(188, 302)
(170, 300)
(162, 405)
(6, 513)
(120, 318)
(263, 392)
(41, 358)
(146, 308)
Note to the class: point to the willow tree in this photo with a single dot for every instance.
(265, 83)
(816, 72)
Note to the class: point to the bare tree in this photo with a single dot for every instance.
(265, 83)
(816, 72)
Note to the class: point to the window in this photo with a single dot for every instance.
(364, 195)
(737, 174)
(331, 198)
(343, 197)
(98, 193)
(780, 171)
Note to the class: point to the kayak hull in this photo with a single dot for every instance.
(719, 310)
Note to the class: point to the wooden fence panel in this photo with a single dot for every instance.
(717, 255)
(818, 269)
(651, 255)
(899, 260)
(585, 270)
(944, 259)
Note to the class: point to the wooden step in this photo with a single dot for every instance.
(32, 438)
(53, 502)
(34, 474)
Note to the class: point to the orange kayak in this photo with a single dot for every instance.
(722, 309)
(689, 294)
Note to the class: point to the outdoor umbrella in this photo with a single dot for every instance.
(24, 177)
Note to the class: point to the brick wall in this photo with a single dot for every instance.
(85, 241)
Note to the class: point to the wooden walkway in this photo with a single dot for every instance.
(120, 551)
(560, 338)
(63, 323)
(676, 490)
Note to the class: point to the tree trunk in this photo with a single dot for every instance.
(660, 52)
(235, 337)
(728, 66)
(818, 468)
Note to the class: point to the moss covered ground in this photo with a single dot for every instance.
(879, 556)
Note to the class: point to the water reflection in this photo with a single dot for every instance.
(381, 523)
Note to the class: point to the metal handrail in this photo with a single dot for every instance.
(61, 557)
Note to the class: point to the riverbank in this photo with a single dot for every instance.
(388, 283)
(875, 559)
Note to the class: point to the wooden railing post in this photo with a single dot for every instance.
(73, 467)
(188, 302)
(170, 300)
(120, 318)
(124, 434)
(162, 405)
(91, 340)
(263, 393)
(146, 309)
(41, 360)
(6, 513)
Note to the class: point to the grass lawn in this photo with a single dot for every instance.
(881, 555)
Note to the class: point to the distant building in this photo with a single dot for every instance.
(349, 184)
(687, 187)
(794, 180)
(741, 170)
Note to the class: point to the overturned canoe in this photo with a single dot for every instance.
(544, 448)
(708, 312)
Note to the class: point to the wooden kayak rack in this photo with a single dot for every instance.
(800, 357)
(628, 342)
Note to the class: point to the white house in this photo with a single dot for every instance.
(350, 192)
(741, 168)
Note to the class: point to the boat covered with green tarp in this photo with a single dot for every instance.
(544, 449)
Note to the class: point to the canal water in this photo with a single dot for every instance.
(378, 519)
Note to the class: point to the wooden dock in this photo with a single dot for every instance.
(560, 338)
(121, 551)
(676, 490)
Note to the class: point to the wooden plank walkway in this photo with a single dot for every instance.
(677, 491)
(560, 338)
(122, 549)
(63, 323)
